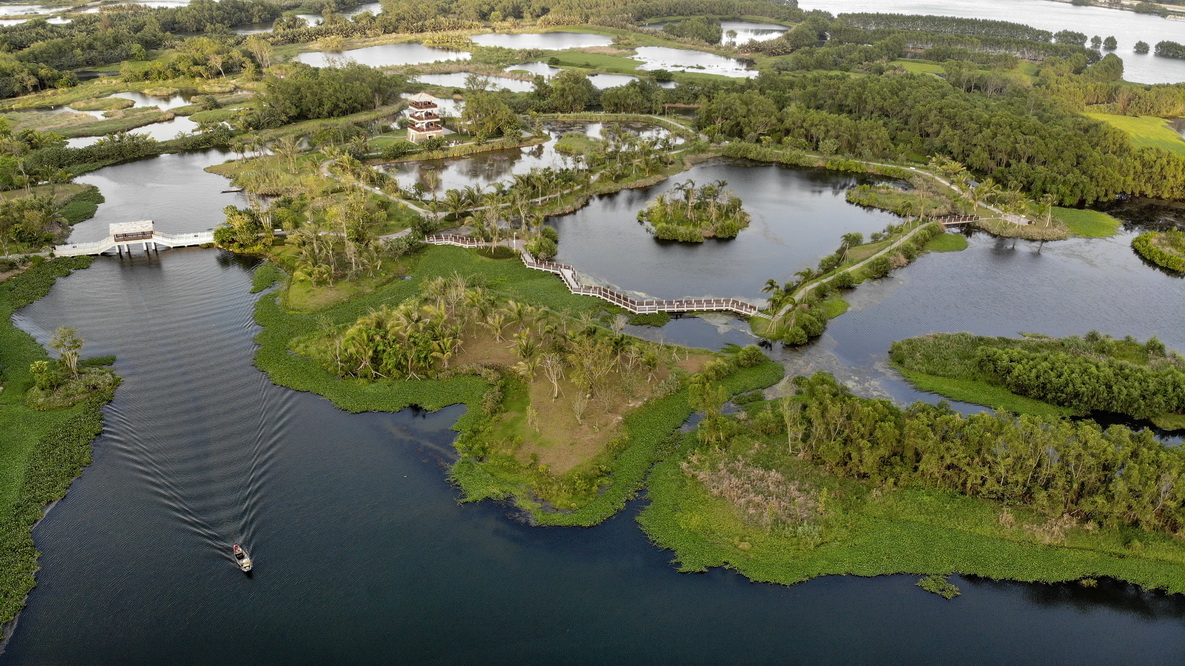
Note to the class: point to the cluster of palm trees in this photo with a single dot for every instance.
(419, 338)
(707, 211)
(342, 244)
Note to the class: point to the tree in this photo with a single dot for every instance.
(1109, 44)
(1142, 47)
(849, 241)
(485, 115)
(68, 345)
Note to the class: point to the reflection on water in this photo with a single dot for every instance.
(382, 55)
(798, 216)
(548, 41)
(683, 60)
(357, 534)
(172, 190)
(500, 166)
(459, 80)
(162, 131)
(744, 31)
(1127, 27)
(995, 287)
(163, 103)
(539, 68)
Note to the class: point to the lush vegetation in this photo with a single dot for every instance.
(1088, 223)
(1167, 49)
(829, 483)
(1163, 248)
(1090, 374)
(708, 211)
(700, 28)
(43, 450)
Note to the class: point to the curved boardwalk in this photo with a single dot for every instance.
(572, 280)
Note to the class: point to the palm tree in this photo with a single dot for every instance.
(455, 203)
(849, 240)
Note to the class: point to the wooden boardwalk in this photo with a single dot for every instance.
(636, 306)
(956, 220)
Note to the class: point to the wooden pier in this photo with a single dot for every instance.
(636, 306)
(127, 235)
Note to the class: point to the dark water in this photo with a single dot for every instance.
(998, 287)
(1127, 27)
(363, 555)
(798, 216)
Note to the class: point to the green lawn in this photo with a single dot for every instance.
(920, 66)
(1145, 131)
(1088, 223)
(608, 63)
(947, 242)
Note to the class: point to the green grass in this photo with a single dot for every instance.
(898, 531)
(920, 66)
(1087, 223)
(978, 392)
(947, 242)
(835, 306)
(599, 61)
(83, 205)
(1145, 131)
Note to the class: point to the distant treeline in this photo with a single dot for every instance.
(1021, 139)
(948, 25)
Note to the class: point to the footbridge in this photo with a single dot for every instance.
(571, 280)
(128, 235)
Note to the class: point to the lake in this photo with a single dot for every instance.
(363, 554)
(407, 53)
(746, 31)
(485, 169)
(458, 80)
(162, 131)
(683, 60)
(1127, 27)
(798, 216)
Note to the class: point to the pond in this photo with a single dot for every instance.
(458, 80)
(485, 169)
(1127, 27)
(407, 53)
(173, 190)
(539, 68)
(162, 131)
(746, 31)
(547, 41)
(600, 81)
(683, 60)
(798, 216)
(163, 103)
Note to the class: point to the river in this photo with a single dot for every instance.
(363, 554)
(1127, 27)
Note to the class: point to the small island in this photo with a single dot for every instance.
(1050, 376)
(1163, 248)
(697, 214)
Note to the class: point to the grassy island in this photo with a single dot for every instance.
(825, 482)
(699, 213)
(1050, 376)
(566, 414)
(1163, 248)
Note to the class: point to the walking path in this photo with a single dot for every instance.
(572, 280)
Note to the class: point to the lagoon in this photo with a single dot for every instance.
(408, 53)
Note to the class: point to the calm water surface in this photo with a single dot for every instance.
(1127, 27)
(386, 54)
(683, 60)
(798, 216)
(746, 31)
(485, 169)
(458, 80)
(363, 553)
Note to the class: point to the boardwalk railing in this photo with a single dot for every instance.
(955, 220)
(109, 243)
(637, 306)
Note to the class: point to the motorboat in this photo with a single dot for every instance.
(242, 558)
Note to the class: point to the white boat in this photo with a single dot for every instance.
(242, 558)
